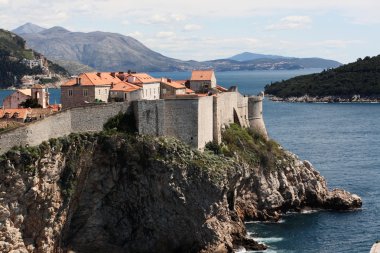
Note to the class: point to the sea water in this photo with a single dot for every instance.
(55, 95)
(342, 141)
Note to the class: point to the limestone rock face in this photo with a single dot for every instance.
(96, 193)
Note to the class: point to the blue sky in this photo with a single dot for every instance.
(343, 30)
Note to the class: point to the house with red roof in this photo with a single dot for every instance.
(171, 88)
(93, 87)
(124, 91)
(37, 92)
(18, 115)
(202, 81)
(150, 85)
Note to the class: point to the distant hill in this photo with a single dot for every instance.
(114, 52)
(247, 56)
(12, 52)
(359, 78)
(28, 28)
(100, 50)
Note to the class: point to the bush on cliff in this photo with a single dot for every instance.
(122, 122)
(252, 147)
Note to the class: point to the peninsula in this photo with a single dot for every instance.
(354, 82)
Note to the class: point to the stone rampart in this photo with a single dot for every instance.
(188, 119)
(76, 120)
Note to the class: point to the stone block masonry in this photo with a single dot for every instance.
(76, 120)
(188, 119)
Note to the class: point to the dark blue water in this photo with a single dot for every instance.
(55, 95)
(343, 143)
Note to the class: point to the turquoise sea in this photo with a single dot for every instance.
(342, 141)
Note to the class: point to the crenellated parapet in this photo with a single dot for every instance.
(255, 114)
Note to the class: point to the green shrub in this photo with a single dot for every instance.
(251, 146)
(122, 122)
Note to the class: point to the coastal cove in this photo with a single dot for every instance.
(345, 152)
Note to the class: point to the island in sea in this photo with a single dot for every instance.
(354, 82)
(138, 164)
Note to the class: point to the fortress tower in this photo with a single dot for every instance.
(42, 96)
(255, 114)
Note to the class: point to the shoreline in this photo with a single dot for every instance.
(326, 99)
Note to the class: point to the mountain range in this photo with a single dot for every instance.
(114, 52)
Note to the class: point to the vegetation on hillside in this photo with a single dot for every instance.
(250, 146)
(359, 78)
(12, 52)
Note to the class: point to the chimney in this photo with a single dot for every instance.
(98, 74)
(113, 74)
(169, 80)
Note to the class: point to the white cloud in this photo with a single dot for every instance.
(125, 22)
(192, 27)
(333, 44)
(136, 35)
(291, 23)
(161, 19)
(165, 35)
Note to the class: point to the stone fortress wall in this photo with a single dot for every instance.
(76, 120)
(193, 120)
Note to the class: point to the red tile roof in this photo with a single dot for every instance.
(202, 75)
(22, 113)
(125, 87)
(173, 84)
(93, 79)
(143, 78)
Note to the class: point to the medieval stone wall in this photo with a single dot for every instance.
(81, 119)
(193, 120)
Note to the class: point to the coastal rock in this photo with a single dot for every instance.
(100, 193)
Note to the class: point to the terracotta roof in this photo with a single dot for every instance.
(183, 82)
(143, 78)
(125, 87)
(37, 86)
(27, 92)
(174, 84)
(189, 91)
(202, 75)
(22, 113)
(69, 82)
(93, 78)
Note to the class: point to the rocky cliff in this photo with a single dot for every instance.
(115, 192)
